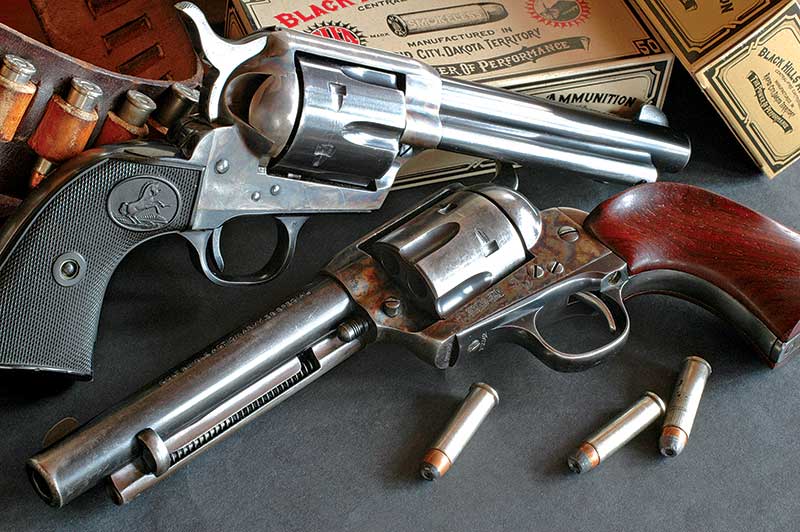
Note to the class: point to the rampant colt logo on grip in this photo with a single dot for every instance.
(143, 203)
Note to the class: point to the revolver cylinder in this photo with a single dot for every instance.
(352, 117)
(459, 247)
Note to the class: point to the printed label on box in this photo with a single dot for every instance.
(619, 91)
(758, 86)
(698, 26)
(478, 41)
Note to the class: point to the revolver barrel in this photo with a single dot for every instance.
(197, 404)
(511, 127)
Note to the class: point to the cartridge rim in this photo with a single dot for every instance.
(83, 94)
(16, 68)
(487, 388)
(660, 402)
(185, 93)
(700, 360)
(140, 100)
(136, 108)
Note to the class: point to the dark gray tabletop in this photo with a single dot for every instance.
(343, 454)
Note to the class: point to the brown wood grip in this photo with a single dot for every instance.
(669, 226)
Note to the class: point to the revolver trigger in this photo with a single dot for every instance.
(209, 253)
(593, 301)
(216, 249)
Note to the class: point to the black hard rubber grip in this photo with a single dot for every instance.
(57, 259)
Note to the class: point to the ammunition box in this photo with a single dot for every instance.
(745, 55)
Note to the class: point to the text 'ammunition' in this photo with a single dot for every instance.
(612, 437)
(481, 399)
(683, 406)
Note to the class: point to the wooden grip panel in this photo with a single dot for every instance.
(669, 226)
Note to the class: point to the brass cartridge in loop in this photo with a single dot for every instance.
(65, 128)
(16, 93)
(129, 121)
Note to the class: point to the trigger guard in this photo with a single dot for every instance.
(206, 243)
(570, 362)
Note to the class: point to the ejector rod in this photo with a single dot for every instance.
(267, 392)
(162, 410)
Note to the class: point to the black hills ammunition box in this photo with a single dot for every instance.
(745, 55)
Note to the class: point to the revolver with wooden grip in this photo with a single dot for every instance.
(454, 276)
(290, 125)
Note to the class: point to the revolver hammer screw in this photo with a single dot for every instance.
(392, 306)
(255, 196)
(536, 271)
(568, 234)
(222, 166)
(555, 267)
(275, 190)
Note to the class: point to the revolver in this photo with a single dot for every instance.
(290, 124)
(461, 272)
